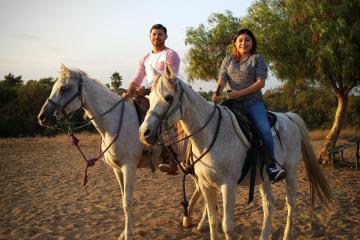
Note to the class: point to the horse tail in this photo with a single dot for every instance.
(318, 184)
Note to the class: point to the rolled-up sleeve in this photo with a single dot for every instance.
(140, 72)
(223, 73)
(173, 59)
(261, 68)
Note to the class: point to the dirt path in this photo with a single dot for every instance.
(42, 197)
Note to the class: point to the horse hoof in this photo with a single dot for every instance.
(201, 228)
(187, 222)
(122, 236)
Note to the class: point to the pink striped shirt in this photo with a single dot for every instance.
(158, 61)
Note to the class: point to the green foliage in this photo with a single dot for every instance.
(317, 112)
(116, 82)
(23, 103)
(209, 44)
(11, 81)
(353, 118)
(312, 40)
(206, 95)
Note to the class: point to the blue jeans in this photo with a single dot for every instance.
(258, 116)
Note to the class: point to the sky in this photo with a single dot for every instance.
(98, 36)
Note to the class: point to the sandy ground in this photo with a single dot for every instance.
(42, 197)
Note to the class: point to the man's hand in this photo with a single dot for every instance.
(126, 95)
(140, 91)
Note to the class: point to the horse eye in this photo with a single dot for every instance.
(63, 89)
(169, 98)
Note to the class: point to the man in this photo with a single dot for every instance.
(157, 59)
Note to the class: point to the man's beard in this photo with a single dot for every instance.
(158, 43)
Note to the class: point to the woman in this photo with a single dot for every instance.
(246, 72)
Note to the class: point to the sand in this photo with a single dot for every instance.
(42, 197)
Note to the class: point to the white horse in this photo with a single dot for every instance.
(171, 100)
(74, 90)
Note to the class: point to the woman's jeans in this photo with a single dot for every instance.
(257, 113)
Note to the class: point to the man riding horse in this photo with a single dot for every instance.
(157, 59)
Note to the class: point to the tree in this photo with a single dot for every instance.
(12, 81)
(116, 82)
(316, 111)
(317, 41)
(208, 45)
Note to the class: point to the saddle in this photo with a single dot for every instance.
(142, 106)
(257, 154)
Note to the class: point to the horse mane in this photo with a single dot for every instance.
(162, 83)
(62, 75)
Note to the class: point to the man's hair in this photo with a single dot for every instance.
(159, 26)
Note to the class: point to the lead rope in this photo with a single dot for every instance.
(91, 161)
(190, 169)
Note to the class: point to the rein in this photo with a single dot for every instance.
(189, 169)
(88, 121)
(89, 162)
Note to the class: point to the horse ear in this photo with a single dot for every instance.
(154, 73)
(65, 70)
(169, 74)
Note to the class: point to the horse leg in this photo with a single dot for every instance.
(268, 203)
(119, 178)
(291, 202)
(187, 220)
(203, 221)
(228, 195)
(210, 199)
(129, 181)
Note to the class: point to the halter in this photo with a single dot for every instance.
(89, 162)
(77, 94)
(164, 117)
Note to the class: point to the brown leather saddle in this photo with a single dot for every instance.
(142, 106)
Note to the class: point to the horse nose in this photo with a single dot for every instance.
(147, 134)
(146, 137)
(41, 117)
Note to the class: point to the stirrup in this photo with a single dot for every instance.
(168, 169)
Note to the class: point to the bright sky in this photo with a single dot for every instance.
(97, 36)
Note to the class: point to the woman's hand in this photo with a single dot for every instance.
(233, 94)
(216, 98)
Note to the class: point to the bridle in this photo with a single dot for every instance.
(89, 162)
(78, 77)
(163, 118)
(72, 98)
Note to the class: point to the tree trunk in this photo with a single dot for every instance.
(334, 133)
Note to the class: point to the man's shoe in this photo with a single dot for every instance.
(168, 169)
(276, 175)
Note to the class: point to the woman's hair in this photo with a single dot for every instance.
(235, 53)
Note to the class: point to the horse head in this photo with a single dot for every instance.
(65, 97)
(165, 106)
